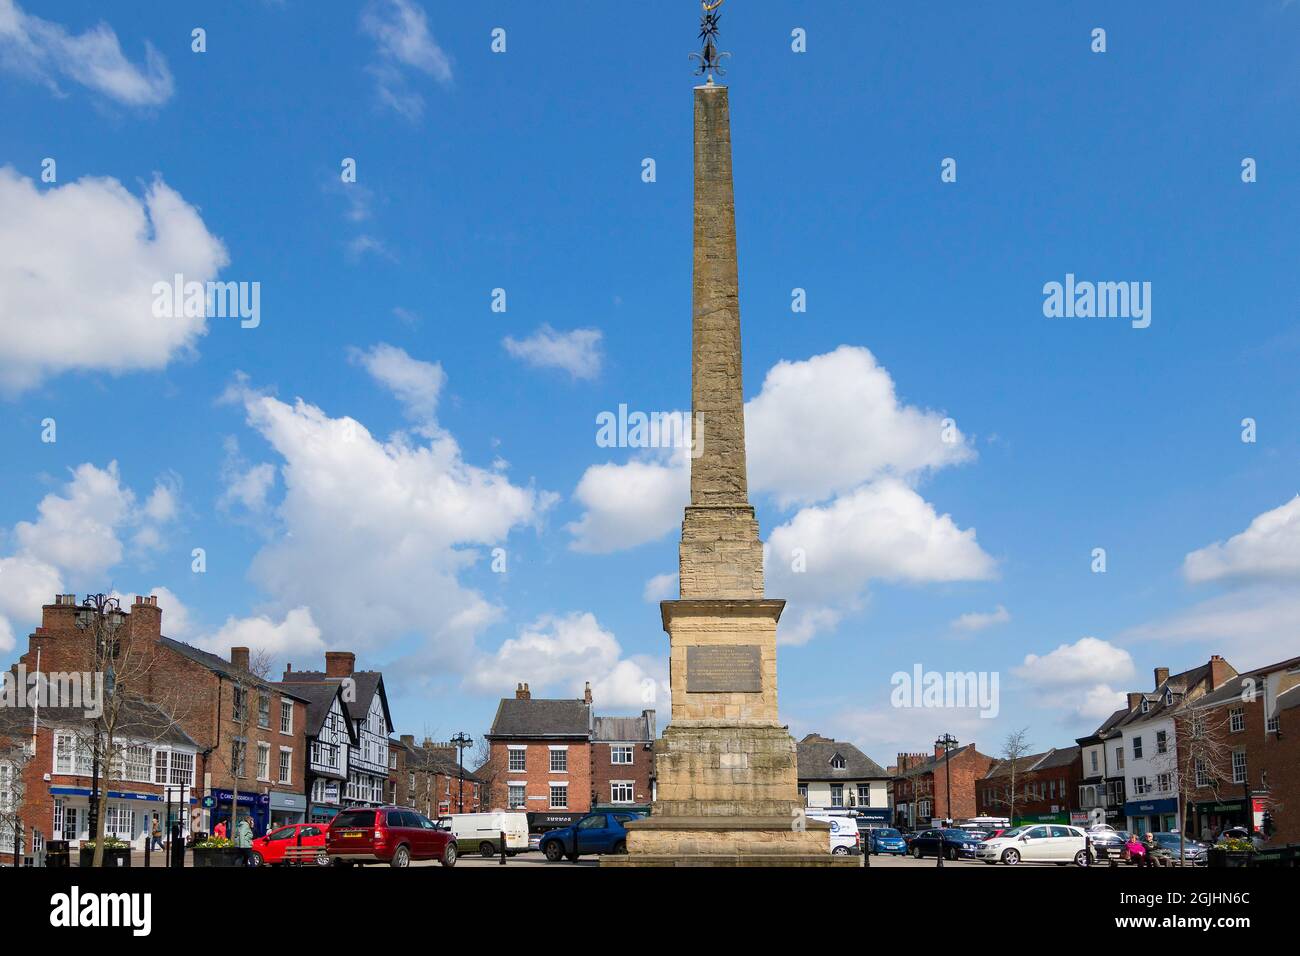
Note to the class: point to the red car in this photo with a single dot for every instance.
(397, 836)
(295, 843)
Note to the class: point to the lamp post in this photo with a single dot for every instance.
(103, 617)
(947, 742)
(461, 740)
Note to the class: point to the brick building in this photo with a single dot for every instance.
(330, 737)
(46, 779)
(1240, 764)
(921, 787)
(428, 777)
(622, 762)
(246, 731)
(540, 757)
(1046, 788)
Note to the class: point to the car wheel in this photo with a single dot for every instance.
(486, 850)
(1011, 857)
(840, 851)
(322, 858)
(449, 856)
(916, 853)
(401, 857)
(950, 853)
(256, 859)
(1081, 858)
(553, 851)
(620, 847)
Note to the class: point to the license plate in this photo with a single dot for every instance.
(352, 835)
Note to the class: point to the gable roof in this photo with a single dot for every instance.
(632, 729)
(219, 665)
(367, 683)
(1233, 689)
(815, 754)
(541, 717)
(928, 764)
(320, 699)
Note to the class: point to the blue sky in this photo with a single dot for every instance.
(474, 429)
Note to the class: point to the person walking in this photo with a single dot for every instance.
(244, 838)
(156, 833)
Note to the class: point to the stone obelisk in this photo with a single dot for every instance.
(727, 789)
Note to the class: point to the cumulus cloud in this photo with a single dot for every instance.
(577, 352)
(629, 504)
(77, 534)
(372, 536)
(1251, 626)
(558, 654)
(48, 52)
(1075, 679)
(416, 384)
(404, 46)
(1269, 549)
(78, 264)
(661, 587)
(981, 620)
(828, 424)
(296, 633)
(825, 556)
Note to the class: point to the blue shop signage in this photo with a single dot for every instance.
(1142, 808)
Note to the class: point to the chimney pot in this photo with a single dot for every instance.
(340, 663)
(522, 692)
(586, 693)
(239, 658)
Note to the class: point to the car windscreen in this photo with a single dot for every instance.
(354, 818)
(887, 832)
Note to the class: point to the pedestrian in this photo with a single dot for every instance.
(1150, 846)
(244, 839)
(1135, 850)
(156, 833)
(219, 831)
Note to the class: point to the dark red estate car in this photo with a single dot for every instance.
(397, 836)
(295, 843)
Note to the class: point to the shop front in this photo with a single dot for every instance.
(1212, 817)
(1030, 818)
(539, 822)
(286, 808)
(129, 815)
(256, 806)
(326, 800)
(1152, 816)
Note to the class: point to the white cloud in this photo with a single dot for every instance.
(404, 44)
(372, 535)
(577, 352)
(629, 504)
(1251, 626)
(1268, 549)
(26, 583)
(981, 620)
(883, 530)
(77, 268)
(826, 425)
(557, 654)
(46, 51)
(295, 634)
(416, 384)
(661, 587)
(1075, 679)
(1088, 660)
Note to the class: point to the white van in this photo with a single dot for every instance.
(845, 838)
(481, 832)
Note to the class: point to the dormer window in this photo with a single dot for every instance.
(837, 762)
(1169, 698)
(1146, 705)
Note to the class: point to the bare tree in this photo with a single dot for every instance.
(1012, 756)
(1201, 759)
(488, 773)
(14, 756)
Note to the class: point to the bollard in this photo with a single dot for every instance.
(503, 847)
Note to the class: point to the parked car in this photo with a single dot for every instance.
(1194, 852)
(394, 835)
(885, 840)
(1108, 844)
(482, 831)
(594, 833)
(286, 845)
(1039, 842)
(952, 843)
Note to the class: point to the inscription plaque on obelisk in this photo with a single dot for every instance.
(728, 668)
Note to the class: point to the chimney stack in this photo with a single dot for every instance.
(340, 663)
(408, 740)
(522, 692)
(239, 658)
(1220, 671)
(1162, 675)
(1134, 698)
(586, 693)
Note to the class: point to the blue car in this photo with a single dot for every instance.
(886, 840)
(595, 833)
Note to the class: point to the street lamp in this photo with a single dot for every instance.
(947, 742)
(461, 740)
(101, 615)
